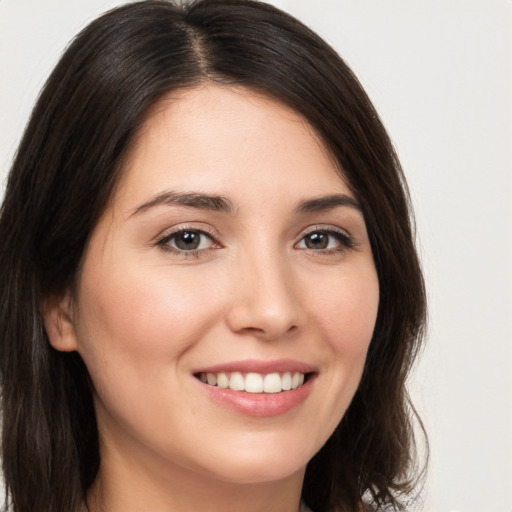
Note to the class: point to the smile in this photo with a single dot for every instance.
(253, 382)
(258, 388)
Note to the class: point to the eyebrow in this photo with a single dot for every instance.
(187, 199)
(224, 205)
(329, 202)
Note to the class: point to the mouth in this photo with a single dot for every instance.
(253, 382)
(258, 388)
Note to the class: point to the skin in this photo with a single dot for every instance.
(144, 315)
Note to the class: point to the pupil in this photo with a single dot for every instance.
(188, 240)
(317, 241)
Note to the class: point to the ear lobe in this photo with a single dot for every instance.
(58, 320)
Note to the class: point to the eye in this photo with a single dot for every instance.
(187, 241)
(325, 240)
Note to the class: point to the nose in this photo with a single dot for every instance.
(265, 302)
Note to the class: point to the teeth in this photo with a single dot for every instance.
(254, 382)
(236, 382)
(286, 381)
(297, 380)
(222, 380)
(272, 383)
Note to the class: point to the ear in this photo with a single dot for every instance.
(58, 320)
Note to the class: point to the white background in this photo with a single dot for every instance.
(440, 74)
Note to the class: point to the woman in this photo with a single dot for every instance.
(211, 298)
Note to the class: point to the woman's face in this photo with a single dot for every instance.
(231, 251)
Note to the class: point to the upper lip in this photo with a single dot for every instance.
(259, 366)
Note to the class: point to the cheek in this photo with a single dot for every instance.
(136, 325)
(344, 311)
(347, 311)
(140, 315)
(348, 314)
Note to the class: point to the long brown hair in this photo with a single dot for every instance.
(66, 166)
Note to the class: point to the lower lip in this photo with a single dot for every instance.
(259, 404)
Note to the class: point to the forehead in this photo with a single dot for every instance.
(218, 138)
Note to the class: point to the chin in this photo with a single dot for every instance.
(261, 462)
(260, 473)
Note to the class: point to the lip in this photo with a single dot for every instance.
(259, 366)
(259, 404)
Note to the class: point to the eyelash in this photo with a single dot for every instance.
(345, 241)
(164, 242)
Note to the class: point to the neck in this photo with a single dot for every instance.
(131, 484)
(106, 495)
